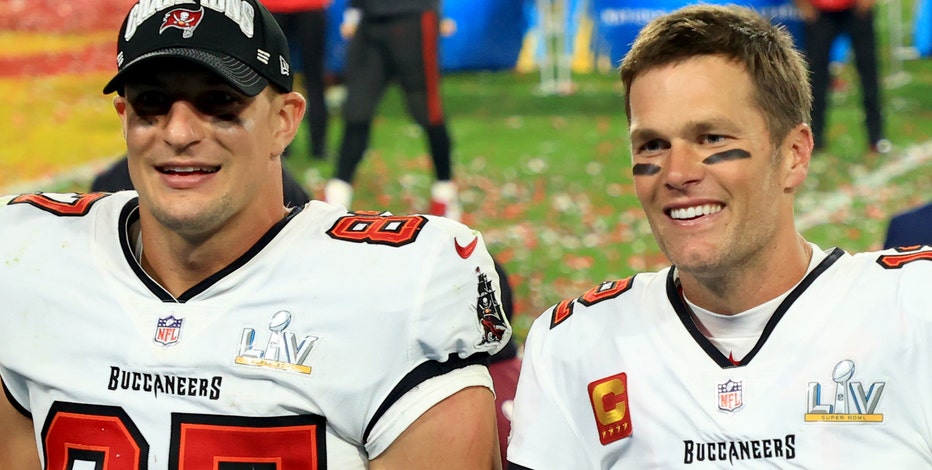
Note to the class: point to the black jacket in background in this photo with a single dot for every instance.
(382, 8)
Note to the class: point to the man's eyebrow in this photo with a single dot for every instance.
(694, 127)
(644, 135)
(718, 125)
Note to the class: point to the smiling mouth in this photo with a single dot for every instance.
(188, 170)
(688, 213)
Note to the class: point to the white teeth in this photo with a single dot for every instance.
(190, 169)
(695, 211)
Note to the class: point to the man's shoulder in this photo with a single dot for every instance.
(891, 261)
(58, 232)
(897, 278)
(386, 233)
(50, 210)
(618, 300)
(430, 263)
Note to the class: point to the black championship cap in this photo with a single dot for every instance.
(237, 39)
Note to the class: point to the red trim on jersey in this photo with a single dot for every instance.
(431, 57)
(731, 358)
(561, 312)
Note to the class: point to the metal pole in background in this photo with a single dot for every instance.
(545, 28)
(897, 77)
(556, 50)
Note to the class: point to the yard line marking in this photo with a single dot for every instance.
(826, 204)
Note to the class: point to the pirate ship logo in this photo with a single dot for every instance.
(489, 310)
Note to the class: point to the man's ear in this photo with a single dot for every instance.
(799, 145)
(290, 111)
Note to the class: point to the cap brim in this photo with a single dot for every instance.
(236, 73)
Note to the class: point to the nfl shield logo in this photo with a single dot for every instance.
(731, 396)
(168, 330)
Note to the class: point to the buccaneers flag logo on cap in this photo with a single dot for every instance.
(185, 20)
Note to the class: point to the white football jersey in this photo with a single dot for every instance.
(315, 349)
(840, 378)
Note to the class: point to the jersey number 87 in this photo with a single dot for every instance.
(94, 437)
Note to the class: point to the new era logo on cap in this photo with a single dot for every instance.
(263, 56)
(234, 38)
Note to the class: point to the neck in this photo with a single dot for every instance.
(743, 287)
(178, 262)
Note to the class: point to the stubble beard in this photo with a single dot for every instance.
(195, 227)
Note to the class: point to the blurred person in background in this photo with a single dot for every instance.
(394, 40)
(910, 228)
(304, 23)
(824, 21)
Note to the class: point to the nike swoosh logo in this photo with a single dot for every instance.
(465, 251)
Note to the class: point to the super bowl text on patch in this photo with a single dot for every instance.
(282, 351)
(849, 402)
(609, 398)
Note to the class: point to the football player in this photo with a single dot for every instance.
(197, 322)
(757, 348)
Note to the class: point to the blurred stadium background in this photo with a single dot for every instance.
(536, 115)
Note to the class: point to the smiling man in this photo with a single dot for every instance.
(199, 323)
(756, 348)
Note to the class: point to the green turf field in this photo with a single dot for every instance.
(545, 178)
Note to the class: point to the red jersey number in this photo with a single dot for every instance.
(85, 434)
(62, 205)
(105, 438)
(391, 230)
(604, 291)
(905, 256)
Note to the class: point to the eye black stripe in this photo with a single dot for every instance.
(733, 154)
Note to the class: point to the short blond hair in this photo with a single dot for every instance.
(777, 68)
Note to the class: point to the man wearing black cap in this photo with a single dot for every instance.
(199, 323)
